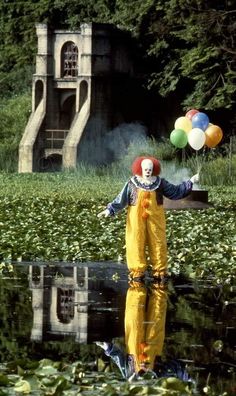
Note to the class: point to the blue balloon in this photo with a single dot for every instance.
(200, 120)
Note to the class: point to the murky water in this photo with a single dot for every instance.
(59, 311)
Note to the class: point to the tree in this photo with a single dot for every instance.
(194, 43)
(18, 40)
(188, 45)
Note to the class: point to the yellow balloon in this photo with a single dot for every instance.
(183, 123)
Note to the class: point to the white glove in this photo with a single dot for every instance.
(104, 213)
(103, 345)
(195, 178)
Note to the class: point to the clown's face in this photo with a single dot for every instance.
(147, 168)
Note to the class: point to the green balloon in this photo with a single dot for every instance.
(179, 138)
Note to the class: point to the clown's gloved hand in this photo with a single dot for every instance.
(103, 345)
(104, 213)
(195, 178)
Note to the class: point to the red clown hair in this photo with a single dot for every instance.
(137, 169)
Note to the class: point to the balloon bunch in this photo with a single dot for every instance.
(196, 130)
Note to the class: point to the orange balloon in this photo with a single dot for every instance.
(214, 135)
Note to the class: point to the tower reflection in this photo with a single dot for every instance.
(83, 302)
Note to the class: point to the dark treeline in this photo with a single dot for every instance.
(188, 45)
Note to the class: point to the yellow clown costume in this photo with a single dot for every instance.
(146, 225)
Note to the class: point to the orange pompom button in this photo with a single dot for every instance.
(146, 194)
(145, 203)
(145, 215)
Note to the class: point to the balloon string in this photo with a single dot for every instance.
(198, 163)
(203, 158)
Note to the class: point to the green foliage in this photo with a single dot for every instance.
(47, 377)
(194, 45)
(77, 11)
(217, 166)
(54, 217)
(189, 46)
(17, 21)
(161, 149)
(18, 40)
(17, 81)
(213, 253)
(14, 113)
(220, 171)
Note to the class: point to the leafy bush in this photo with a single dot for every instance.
(16, 81)
(13, 118)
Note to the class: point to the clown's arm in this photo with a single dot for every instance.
(178, 191)
(119, 203)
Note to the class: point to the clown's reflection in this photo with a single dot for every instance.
(145, 317)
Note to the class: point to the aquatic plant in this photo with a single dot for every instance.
(53, 217)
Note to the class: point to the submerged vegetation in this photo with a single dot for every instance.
(63, 366)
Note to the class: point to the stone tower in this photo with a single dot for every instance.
(76, 96)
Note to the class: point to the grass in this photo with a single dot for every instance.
(81, 185)
(217, 166)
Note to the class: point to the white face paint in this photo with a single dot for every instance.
(147, 168)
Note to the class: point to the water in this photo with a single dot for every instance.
(59, 311)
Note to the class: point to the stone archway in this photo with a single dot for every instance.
(52, 163)
(67, 112)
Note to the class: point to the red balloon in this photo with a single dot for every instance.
(191, 113)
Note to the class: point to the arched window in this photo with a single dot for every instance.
(69, 60)
(38, 92)
(65, 305)
(83, 93)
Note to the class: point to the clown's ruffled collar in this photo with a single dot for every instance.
(152, 184)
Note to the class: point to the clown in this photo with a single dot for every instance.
(146, 225)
